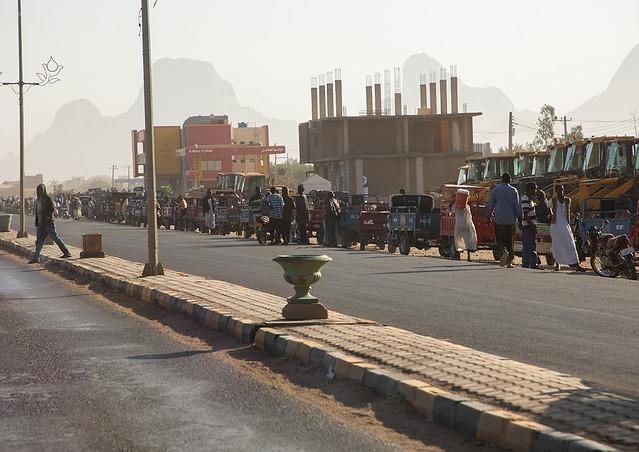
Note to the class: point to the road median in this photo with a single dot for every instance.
(483, 396)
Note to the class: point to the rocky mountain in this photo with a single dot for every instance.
(617, 101)
(90, 142)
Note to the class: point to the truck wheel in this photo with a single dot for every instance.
(404, 244)
(392, 243)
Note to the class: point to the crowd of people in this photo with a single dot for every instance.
(507, 209)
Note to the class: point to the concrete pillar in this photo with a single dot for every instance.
(329, 98)
(419, 175)
(405, 136)
(398, 104)
(345, 137)
(433, 98)
(338, 98)
(454, 108)
(407, 175)
(378, 99)
(369, 100)
(423, 102)
(443, 96)
(313, 103)
(322, 101)
(457, 137)
(347, 176)
(359, 174)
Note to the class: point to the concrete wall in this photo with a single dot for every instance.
(418, 153)
(207, 134)
(250, 135)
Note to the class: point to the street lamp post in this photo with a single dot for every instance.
(51, 70)
(152, 267)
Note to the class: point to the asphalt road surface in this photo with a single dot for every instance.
(78, 374)
(583, 325)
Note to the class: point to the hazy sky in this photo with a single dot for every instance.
(537, 51)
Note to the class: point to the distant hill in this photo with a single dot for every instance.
(81, 141)
(493, 103)
(616, 102)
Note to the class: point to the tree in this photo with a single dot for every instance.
(545, 126)
(290, 173)
(576, 133)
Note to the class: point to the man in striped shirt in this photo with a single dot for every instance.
(529, 227)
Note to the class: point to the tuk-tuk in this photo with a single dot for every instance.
(373, 224)
(348, 223)
(412, 221)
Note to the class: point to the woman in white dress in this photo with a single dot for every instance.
(564, 250)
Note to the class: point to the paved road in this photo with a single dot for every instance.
(77, 374)
(579, 324)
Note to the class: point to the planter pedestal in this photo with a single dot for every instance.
(302, 271)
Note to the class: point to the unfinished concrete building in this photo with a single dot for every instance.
(417, 152)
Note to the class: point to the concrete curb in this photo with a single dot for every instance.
(470, 418)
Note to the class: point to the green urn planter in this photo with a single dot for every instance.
(302, 271)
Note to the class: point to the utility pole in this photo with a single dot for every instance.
(152, 267)
(23, 231)
(634, 120)
(565, 120)
(510, 131)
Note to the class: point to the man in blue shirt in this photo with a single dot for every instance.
(275, 203)
(504, 200)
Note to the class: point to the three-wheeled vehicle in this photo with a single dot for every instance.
(348, 224)
(412, 221)
(485, 230)
(373, 224)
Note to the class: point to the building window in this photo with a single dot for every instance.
(212, 165)
(242, 161)
(252, 161)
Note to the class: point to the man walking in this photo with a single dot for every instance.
(208, 208)
(331, 216)
(529, 227)
(44, 224)
(288, 215)
(276, 212)
(302, 215)
(504, 201)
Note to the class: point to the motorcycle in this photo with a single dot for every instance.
(265, 232)
(611, 255)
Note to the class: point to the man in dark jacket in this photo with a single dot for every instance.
(44, 224)
(288, 215)
(331, 216)
(302, 214)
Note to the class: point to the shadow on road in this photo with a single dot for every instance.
(437, 270)
(170, 355)
(52, 297)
